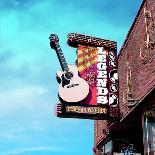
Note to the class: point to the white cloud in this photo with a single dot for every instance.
(18, 98)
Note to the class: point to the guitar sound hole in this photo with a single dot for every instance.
(68, 75)
(64, 80)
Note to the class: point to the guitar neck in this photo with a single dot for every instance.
(61, 58)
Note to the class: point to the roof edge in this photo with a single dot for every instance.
(129, 32)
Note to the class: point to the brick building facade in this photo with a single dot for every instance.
(136, 68)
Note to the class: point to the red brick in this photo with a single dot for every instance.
(143, 74)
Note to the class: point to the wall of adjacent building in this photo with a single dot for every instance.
(132, 55)
(136, 66)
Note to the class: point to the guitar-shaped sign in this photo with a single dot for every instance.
(72, 88)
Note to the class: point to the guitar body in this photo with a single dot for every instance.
(74, 89)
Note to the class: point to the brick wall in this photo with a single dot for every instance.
(137, 59)
(99, 125)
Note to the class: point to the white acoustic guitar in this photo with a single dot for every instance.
(72, 88)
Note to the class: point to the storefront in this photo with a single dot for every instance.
(135, 134)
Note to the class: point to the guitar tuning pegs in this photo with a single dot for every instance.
(54, 41)
(54, 38)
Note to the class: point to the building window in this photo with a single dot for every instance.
(149, 133)
(107, 148)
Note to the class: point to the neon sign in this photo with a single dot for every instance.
(97, 96)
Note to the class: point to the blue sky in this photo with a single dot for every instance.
(28, 88)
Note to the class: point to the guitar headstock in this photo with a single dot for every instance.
(54, 40)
